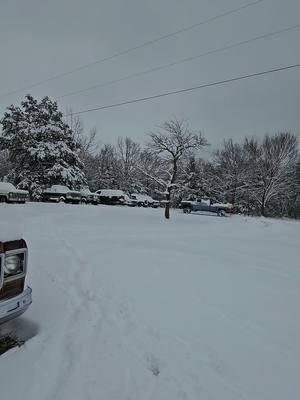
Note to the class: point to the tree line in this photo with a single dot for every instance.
(40, 146)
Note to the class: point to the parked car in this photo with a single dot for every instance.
(205, 205)
(88, 197)
(155, 203)
(130, 201)
(10, 194)
(15, 298)
(61, 193)
(112, 197)
(143, 200)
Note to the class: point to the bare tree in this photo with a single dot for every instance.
(87, 142)
(107, 169)
(272, 167)
(128, 153)
(148, 167)
(231, 170)
(173, 140)
(75, 123)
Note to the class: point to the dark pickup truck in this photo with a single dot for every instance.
(204, 205)
(61, 193)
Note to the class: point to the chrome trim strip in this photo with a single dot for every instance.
(2, 258)
(15, 306)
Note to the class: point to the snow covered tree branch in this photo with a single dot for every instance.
(173, 140)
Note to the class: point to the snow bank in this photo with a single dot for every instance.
(130, 306)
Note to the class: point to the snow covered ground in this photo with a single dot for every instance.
(130, 306)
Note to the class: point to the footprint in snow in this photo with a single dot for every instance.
(153, 364)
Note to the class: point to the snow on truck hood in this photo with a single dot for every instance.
(9, 232)
(110, 193)
(143, 197)
(58, 189)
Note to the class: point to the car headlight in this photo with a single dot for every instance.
(13, 264)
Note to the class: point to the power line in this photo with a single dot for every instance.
(206, 85)
(181, 61)
(131, 49)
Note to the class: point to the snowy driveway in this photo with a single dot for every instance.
(130, 306)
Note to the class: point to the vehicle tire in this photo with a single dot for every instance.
(221, 213)
(3, 199)
(61, 200)
(83, 201)
(187, 210)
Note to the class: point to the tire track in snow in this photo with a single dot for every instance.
(117, 313)
(136, 336)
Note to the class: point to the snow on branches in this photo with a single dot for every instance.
(172, 142)
(41, 146)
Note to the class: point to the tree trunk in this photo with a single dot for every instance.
(262, 209)
(168, 195)
(167, 208)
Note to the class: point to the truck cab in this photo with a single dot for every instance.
(10, 194)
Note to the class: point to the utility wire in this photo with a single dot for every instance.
(182, 61)
(206, 85)
(131, 49)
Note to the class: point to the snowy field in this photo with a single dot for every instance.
(129, 306)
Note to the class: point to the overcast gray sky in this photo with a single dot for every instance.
(42, 38)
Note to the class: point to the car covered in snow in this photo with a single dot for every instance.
(143, 200)
(112, 196)
(15, 298)
(129, 201)
(10, 194)
(88, 197)
(205, 205)
(61, 193)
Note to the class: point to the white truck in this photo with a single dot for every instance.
(15, 297)
(10, 194)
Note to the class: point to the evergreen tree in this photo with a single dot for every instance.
(41, 146)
